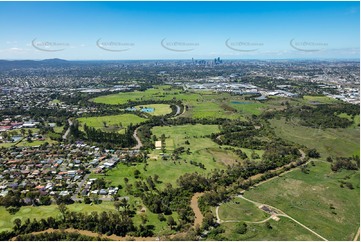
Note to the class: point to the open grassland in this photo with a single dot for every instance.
(238, 209)
(25, 212)
(320, 99)
(114, 123)
(329, 142)
(316, 199)
(159, 109)
(282, 230)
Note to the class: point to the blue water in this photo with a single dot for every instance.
(147, 110)
(238, 102)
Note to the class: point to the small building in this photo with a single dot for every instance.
(158, 145)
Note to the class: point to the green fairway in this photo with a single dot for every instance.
(316, 199)
(202, 150)
(113, 123)
(329, 142)
(283, 230)
(248, 107)
(320, 99)
(159, 109)
(157, 93)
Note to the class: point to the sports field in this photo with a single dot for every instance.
(112, 123)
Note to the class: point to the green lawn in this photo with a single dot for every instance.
(329, 142)
(320, 99)
(159, 109)
(308, 199)
(114, 123)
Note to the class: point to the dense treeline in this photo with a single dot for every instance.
(119, 223)
(109, 138)
(58, 236)
(324, 115)
(344, 163)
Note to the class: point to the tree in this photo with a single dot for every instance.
(87, 200)
(17, 224)
(313, 153)
(117, 205)
(63, 210)
(241, 228)
(171, 222)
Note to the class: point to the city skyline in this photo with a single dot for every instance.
(179, 30)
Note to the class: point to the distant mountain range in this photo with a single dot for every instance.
(32, 63)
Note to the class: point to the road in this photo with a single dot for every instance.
(139, 142)
(80, 185)
(178, 110)
(65, 136)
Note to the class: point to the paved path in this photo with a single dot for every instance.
(178, 110)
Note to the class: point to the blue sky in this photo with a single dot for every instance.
(179, 30)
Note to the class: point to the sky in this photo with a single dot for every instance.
(179, 30)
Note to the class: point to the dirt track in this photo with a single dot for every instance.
(89, 233)
(194, 205)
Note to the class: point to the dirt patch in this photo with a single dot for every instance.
(194, 205)
(92, 234)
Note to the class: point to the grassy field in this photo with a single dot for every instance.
(114, 123)
(241, 210)
(6, 220)
(201, 104)
(309, 198)
(329, 142)
(283, 230)
(159, 109)
(248, 107)
(157, 93)
(320, 99)
(25, 143)
(202, 150)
